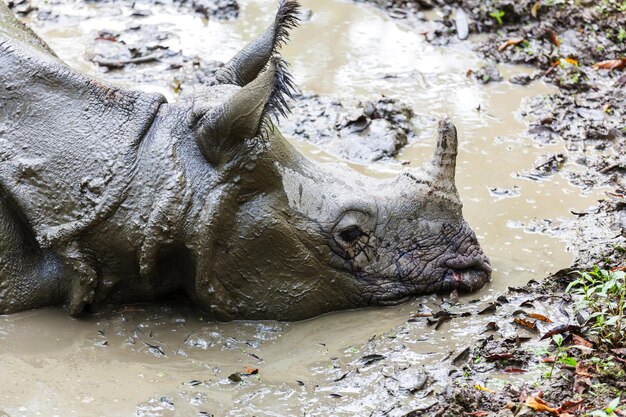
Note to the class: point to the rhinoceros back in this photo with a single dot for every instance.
(68, 143)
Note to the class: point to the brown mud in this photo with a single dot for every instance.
(535, 159)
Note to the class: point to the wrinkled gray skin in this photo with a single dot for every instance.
(114, 196)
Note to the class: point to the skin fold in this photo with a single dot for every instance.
(116, 196)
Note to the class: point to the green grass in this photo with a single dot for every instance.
(602, 295)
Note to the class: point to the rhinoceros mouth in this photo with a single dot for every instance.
(467, 275)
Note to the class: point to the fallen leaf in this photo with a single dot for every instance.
(553, 38)
(582, 370)
(538, 404)
(345, 374)
(492, 325)
(491, 307)
(610, 64)
(529, 324)
(462, 357)
(571, 61)
(510, 42)
(578, 340)
(581, 384)
(549, 359)
(481, 388)
(515, 371)
(563, 328)
(478, 414)
(236, 377)
(248, 370)
(370, 359)
(619, 351)
(539, 317)
(569, 406)
(498, 357)
(535, 10)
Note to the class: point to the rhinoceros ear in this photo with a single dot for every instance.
(242, 116)
(250, 61)
(443, 164)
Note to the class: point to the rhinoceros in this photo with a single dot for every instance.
(116, 196)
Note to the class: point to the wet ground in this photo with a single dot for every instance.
(372, 90)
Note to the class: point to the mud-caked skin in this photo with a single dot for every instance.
(115, 196)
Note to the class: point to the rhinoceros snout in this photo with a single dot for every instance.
(468, 273)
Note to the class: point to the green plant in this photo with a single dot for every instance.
(602, 294)
(561, 355)
(498, 15)
(608, 411)
(621, 35)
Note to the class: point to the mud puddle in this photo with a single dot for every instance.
(162, 360)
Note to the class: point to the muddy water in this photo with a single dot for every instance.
(167, 360)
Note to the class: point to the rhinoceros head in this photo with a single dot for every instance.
(294, 238)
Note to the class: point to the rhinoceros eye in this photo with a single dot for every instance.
(351, 234)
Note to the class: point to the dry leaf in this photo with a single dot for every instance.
(571, 61)
(569, 406)
(478, 414)
(610, 64)
(581, 384)
(578, 340)
(563, 328)
(248, 370)
(509, 42)
(537, 404)
(582, 370)
(539, 317)
(529, 324)
(553, 38)
(481, 388)
(498, 356)
(515, 371)
(535, 10)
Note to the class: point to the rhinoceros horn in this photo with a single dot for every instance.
(221, 129)
(250, 61)
(442, 167)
